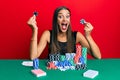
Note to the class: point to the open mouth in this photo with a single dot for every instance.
(64, 26)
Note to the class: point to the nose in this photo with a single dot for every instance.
(64, 18)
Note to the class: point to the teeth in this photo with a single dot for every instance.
(64, 23)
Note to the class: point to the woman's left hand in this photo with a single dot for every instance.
(88, 28)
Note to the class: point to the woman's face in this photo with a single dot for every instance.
(63, 20)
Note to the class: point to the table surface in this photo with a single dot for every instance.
(109, 69)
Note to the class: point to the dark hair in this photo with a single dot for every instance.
(54, 48)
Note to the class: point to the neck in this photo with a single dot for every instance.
(62, 34)
(62, 37)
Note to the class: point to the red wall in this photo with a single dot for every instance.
(15, 34)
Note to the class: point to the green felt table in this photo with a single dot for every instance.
(109, 69)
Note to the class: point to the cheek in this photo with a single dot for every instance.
(59, 22)
(68, 21)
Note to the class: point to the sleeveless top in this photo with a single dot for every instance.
(63, 45)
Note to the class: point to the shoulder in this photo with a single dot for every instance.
(79, 36)
(46, 32)
(78, 33)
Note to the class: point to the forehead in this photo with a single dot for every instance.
(63, 11)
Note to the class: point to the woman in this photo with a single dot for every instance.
(61, 39)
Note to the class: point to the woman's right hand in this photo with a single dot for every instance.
(32, 22)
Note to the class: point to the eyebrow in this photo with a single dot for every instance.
(61, 13)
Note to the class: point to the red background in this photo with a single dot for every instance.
(15, 34)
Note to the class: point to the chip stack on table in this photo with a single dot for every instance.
(36, 63)
(84, 55)
(73, 61)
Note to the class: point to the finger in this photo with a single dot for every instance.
(86, 24)
(33, 17)
(89, 26)
(87, 29)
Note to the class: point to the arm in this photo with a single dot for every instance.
(88, 41)
(36, 49)
(95, 51)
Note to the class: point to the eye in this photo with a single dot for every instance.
(60, 17)
(68, 16)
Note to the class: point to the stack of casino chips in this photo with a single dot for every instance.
(71, 61)
(81, 54)
(36, 63)
(78, 53)
(70, 58)
(80, 66)
(84, 54)
(54, 57)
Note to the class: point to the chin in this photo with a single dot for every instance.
(64, 31)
